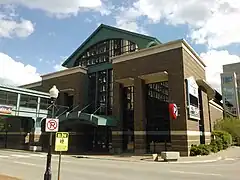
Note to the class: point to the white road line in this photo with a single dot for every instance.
(196, 173)
(19, 156)
(37, 155)
(229, 159)
(25, 163)
(2, 156)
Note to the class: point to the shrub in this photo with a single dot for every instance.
(223, 139)
(220, 140)
(214, 146)
(202, 149)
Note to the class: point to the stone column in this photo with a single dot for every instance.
(117, 132)
(139, 116)
(206, 119)
(178, 127)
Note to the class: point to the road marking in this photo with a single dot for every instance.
(196, 173)
(192, 162)
(37, 155)
(20, 156)
(25, 163)
(2, 156)
(229, 159)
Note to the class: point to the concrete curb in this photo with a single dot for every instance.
(203, 161)
(109, 159)
(144, 160)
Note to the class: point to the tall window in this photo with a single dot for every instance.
(110, 91)
(44, 103)
(102, 91)
(128, 115)
(102, 51)
(158, 122)
(100, 94)
(28, 101)
(8, 98)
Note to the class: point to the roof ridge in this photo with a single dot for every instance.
(127, 31)
(111, 28)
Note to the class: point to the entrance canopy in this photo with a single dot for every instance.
(154, 77)
(87, 118)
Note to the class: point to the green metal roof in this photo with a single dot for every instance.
(104, 32)
(23, 91)
(96, 120)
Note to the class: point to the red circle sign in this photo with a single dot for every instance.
(52, 124)
(173, 110)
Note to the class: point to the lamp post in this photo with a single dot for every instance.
(48, 173)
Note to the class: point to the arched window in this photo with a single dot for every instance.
(103, 50)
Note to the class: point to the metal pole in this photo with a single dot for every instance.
(59, 164)
(48, 172)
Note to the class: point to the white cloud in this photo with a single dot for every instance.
(215, 22)
(17, 73)
(12, 28)
(215, 60)
(61, 8)
(11, 25)
(127, 19)
(59, 67)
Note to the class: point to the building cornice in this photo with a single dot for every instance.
(158, 49)
(217, 106)
(64, 72)
(32, 85)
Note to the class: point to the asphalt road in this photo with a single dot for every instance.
(31, 166)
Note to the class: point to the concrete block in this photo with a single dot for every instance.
(170, 155)
(155, 157)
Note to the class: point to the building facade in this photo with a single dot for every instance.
(21, 113)
(230, 85)
(118, 87)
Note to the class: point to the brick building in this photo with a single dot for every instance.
(118, 86)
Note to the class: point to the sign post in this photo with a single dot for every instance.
(61, 144)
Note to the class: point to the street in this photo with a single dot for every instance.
(31, 166)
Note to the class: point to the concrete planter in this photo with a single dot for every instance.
(170, 155)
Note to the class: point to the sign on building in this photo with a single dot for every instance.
(5, 110)
(173, 110)
(51, 125)
(61, 143)
(192, 99)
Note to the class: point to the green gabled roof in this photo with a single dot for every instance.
(104, 32)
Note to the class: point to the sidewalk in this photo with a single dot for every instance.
(4, 177)
(230, 154)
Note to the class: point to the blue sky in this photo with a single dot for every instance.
(36, 36)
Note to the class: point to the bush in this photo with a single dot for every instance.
(220, 140)
(214, 146)
(230, 125)
(202, 149)
(223, 139)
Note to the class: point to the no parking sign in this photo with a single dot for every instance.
(51, 125)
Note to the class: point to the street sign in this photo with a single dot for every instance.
(61, 143)
(51, 125)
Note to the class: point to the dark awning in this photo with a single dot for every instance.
(89, 119)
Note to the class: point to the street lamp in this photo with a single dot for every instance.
(53, 95)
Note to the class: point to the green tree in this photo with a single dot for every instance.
(230, 125)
